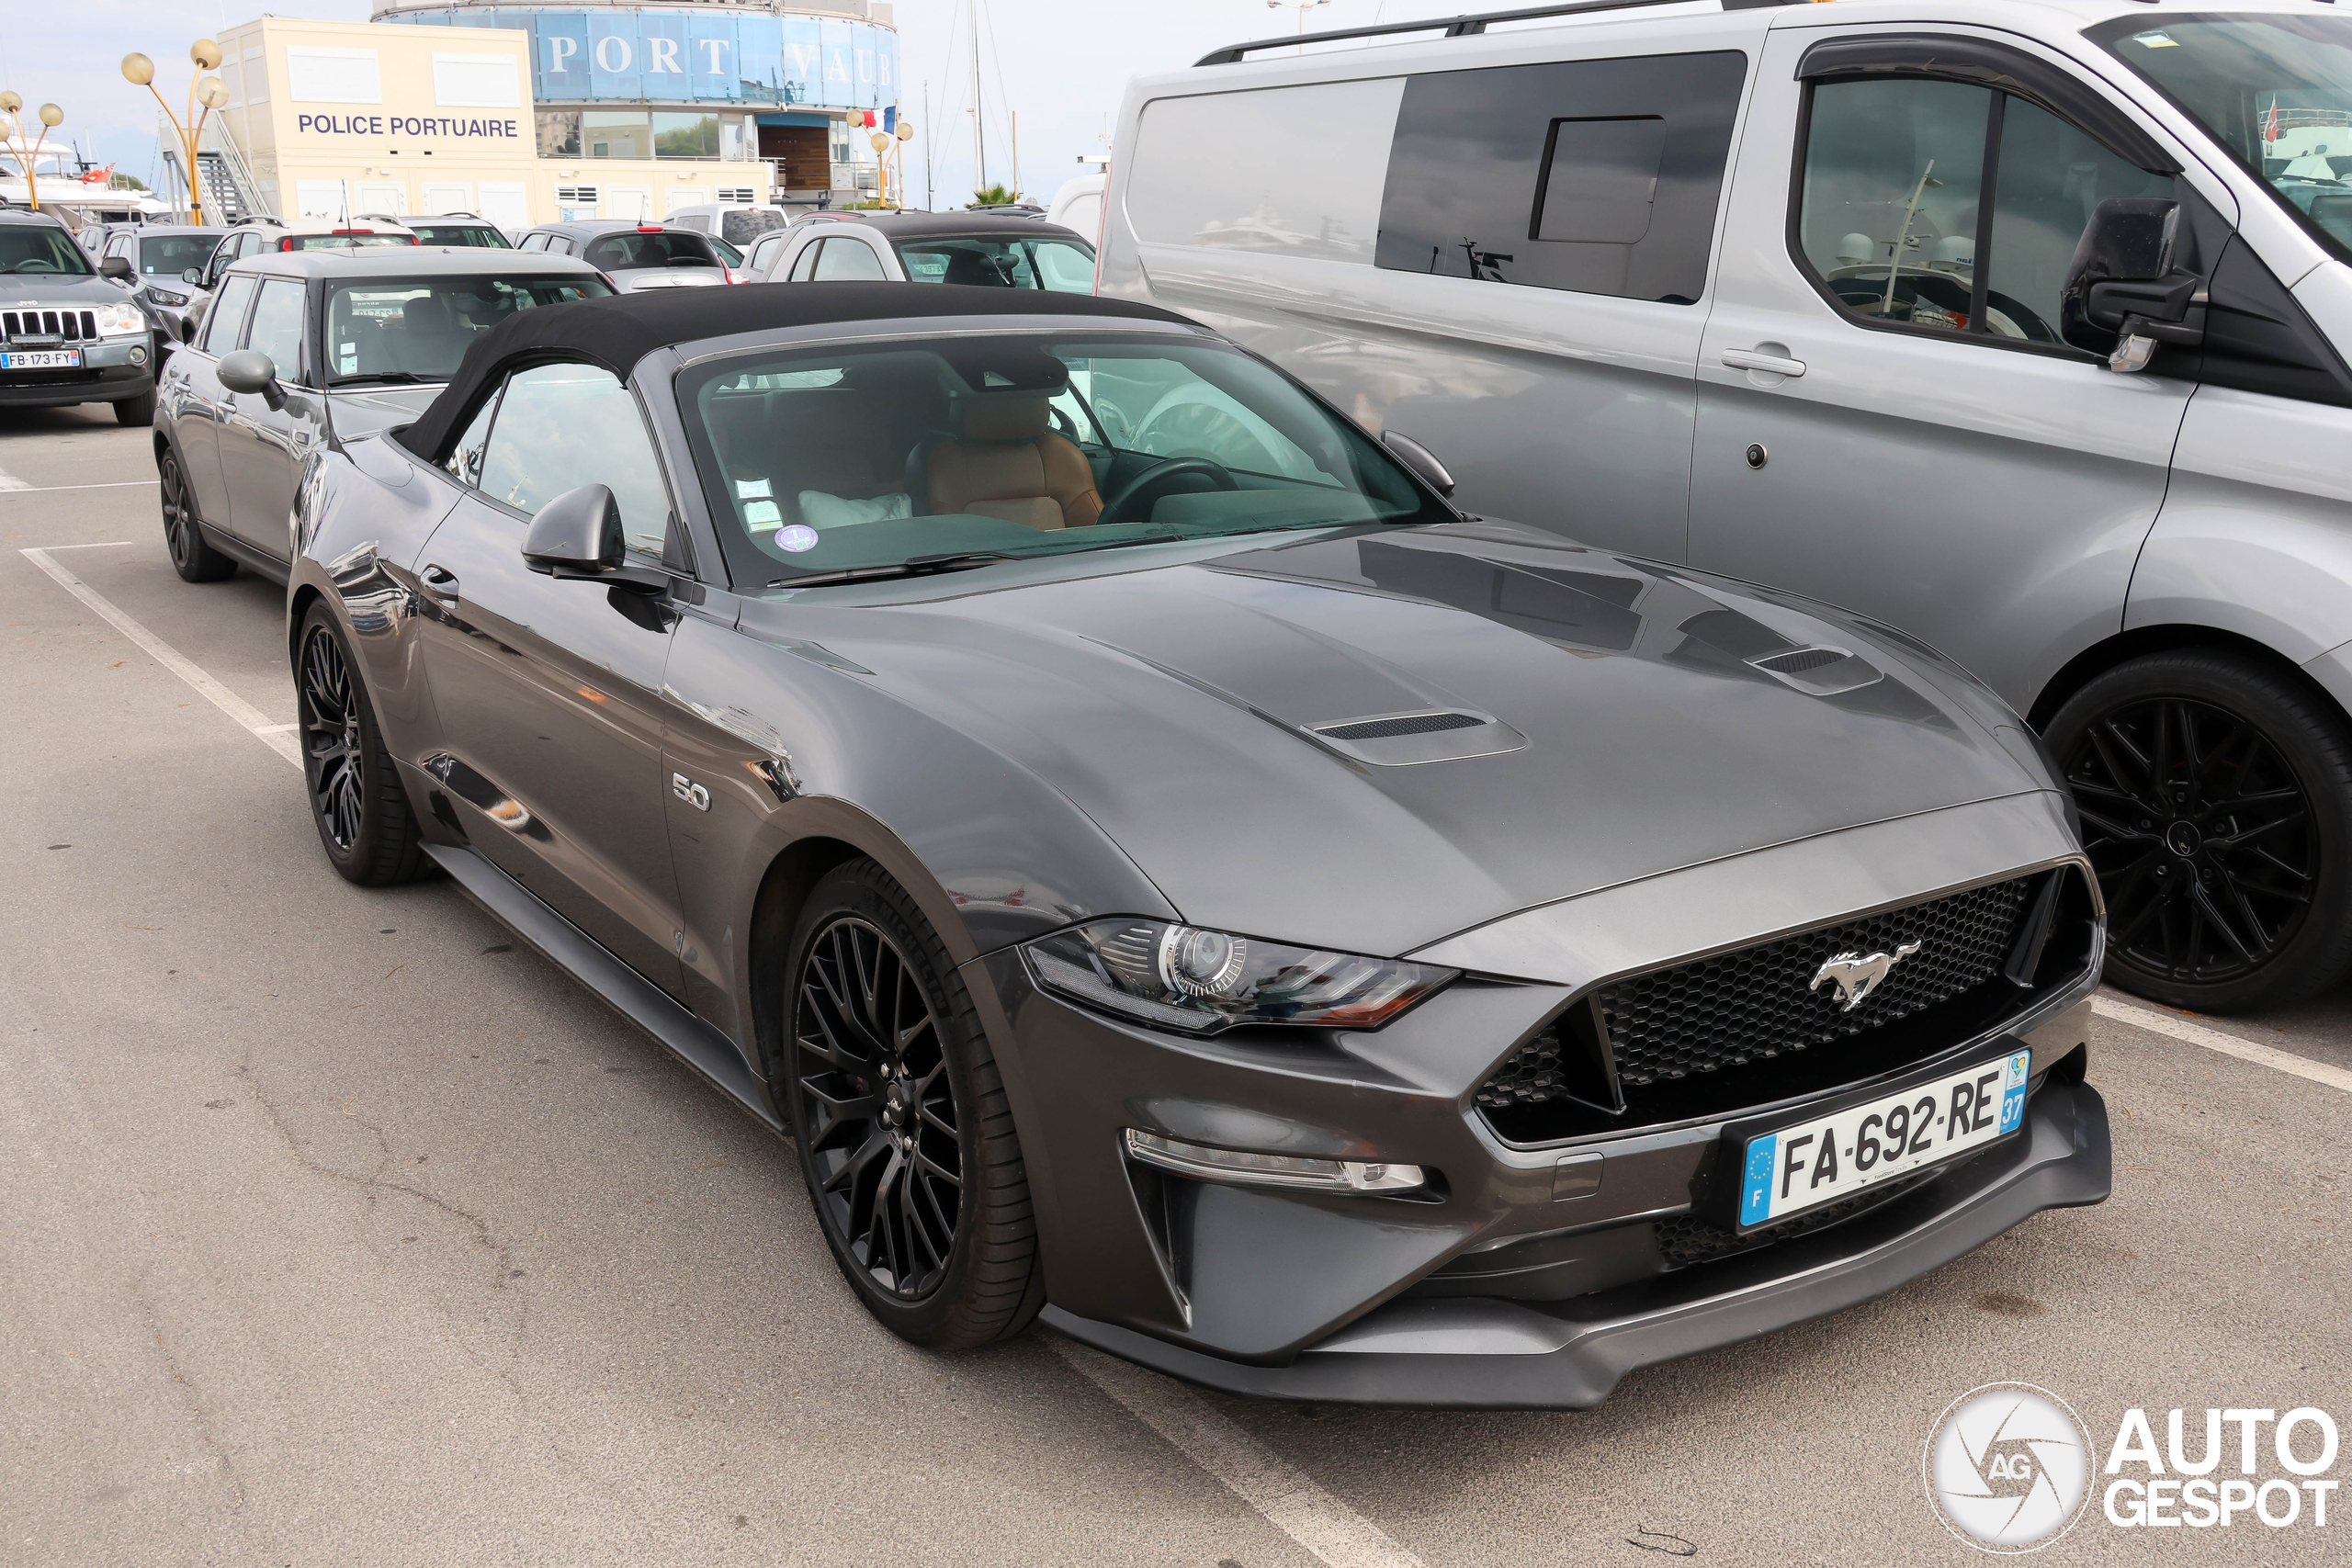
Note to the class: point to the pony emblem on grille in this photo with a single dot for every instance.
(1856, 976)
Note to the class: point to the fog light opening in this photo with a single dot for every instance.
(138, 355)
(1306, 1171)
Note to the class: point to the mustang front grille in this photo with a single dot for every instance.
(1764, 1023)
(1758, 1002)
(68, 326)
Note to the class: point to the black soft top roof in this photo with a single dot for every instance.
(618, 331)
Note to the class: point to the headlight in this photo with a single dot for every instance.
(1183, 977)
(163, 296)
(114, 319)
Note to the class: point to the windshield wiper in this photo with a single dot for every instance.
(913, 566)
(395, 378)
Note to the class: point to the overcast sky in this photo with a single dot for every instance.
(1061, 64)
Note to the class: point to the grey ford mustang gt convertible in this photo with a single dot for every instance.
(1169, 870)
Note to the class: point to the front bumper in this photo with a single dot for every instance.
(107, 376)
(1484, 1353)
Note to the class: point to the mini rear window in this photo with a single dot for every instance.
(623, 252)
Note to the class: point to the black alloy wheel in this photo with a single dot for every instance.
(195, 560)
(2216, 800)
(357, 801)
(901, 1118)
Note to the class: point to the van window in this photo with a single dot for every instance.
(1597, 177)
(1288, 171)
(1889, 204)
(844, 258)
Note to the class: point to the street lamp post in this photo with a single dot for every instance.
(29, 152)
(208, 91)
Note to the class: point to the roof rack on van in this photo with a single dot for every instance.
(1458, 27)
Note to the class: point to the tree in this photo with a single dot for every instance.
(125, 182)
(995, 196)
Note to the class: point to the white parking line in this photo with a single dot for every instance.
(9, 482)
(1278, 1490)
(2178, 1028)
(277, 737)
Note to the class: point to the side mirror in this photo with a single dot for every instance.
(249, 370)
(193, 277)
(118, 269)
(1420, 459)
(578, 534)
(2124, 293)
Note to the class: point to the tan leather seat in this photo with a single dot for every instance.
(1002, 461)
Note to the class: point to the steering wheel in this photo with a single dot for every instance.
(1140, 488)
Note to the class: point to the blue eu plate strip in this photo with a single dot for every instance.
(1756, 1194)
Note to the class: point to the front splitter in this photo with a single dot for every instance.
(1498, 1355)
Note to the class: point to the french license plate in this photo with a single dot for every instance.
(1838, 1155)
(42, 359)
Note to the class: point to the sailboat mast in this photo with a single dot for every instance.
(980, 118)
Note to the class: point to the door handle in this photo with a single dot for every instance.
(1749, 359)
(440, 581)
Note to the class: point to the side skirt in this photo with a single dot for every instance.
(631, 994)
(243, 554)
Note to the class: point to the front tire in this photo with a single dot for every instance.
(138, 411)
(193, 560)
(2216, 798)
(905, 1135)
(363, 816)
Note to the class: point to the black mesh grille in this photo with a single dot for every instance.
(1803, 659)
(1687, 1239)
(1531, 1075)
(1412, 724)
(1759, 1002)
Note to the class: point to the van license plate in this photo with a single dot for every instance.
(1818, 1162)
(42, 359)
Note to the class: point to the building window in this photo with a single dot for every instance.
(685, 135)
(558, 134)
(731, 144)
(615, 133)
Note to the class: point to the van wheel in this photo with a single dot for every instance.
(195, 560)
(2216, 798)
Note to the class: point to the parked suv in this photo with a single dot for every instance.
(159, 255)
(316, 347)
(67, 333)
(449, 228)
(635, 255)
(992, 250)
(2019, 326)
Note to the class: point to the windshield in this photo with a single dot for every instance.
(477, 234)
(417, 329)
(621, 252)
(838, 459)
(172, 255)
(1065, 266)
(37, 247)
(2273, 90)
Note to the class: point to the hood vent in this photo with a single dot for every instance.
(1432, 735)
(1402, 724)
(1818, 671)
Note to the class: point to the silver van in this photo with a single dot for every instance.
(2021, 327)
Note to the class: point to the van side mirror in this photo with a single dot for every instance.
(251, 370)
(1420, 459)
(118, 269)
(2123, 293)
(193, 276)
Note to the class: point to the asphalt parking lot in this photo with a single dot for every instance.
(340, 1228)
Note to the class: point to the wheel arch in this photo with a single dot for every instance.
(782, 893)
(2138, 641)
